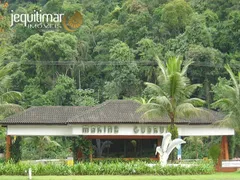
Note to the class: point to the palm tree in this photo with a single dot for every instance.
(8, 98)
(41, 143)
(229, 101)
(7, 103)
(7, 106)
(100, 146)
(172, 97)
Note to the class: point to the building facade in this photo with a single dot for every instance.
(116, 124)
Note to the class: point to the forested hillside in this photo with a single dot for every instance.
(113, 53)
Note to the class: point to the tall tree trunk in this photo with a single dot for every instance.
(172, 131)
(207, 92)
(79, 78)
(196, 151)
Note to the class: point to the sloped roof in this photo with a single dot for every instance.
(45, 115)
(112, 111)
(124, 111)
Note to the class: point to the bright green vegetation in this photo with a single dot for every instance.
(172, 97)
(217, 176)
(113, 54)
(107, 168)
(230, 100)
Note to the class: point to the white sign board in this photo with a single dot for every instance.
(115, 129)
(231, 163)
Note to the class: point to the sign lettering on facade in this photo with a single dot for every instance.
(114, 129)
(100, 129)
(148, 130)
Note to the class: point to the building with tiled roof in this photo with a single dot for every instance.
(117, 121)
(112, 112)
(45, 115)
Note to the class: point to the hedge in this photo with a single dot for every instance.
(116, 168)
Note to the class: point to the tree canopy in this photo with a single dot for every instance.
(112, 53)
(172, 96)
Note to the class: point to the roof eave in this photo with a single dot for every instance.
(7, 124)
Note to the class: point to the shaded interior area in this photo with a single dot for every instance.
(124, 148)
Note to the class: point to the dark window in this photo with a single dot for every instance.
(124, 148)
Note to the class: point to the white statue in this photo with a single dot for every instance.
(167, 146)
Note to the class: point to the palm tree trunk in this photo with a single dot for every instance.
(172, 155)
(196, 151)
(173, 130)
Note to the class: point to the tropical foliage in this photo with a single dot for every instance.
(228, 99)
(8, 99)
(197, 143)
(172, 97)
(116, 168)
(113, 53)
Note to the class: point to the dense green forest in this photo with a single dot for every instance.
(113, 53)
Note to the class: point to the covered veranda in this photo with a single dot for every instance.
(115, 122)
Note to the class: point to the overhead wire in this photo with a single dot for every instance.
(109, 63)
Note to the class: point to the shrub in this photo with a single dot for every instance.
(214, 152)
(103, 168)
(116, 160)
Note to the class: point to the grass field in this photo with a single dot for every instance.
(217, 176)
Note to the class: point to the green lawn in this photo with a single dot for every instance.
(217, 176)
